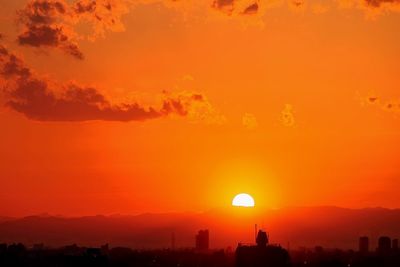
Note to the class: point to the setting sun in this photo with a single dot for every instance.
(243, 200)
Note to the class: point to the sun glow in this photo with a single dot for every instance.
(243, 200)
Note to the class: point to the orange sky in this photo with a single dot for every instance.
(191, 102)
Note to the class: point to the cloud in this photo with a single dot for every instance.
(259, 7)
(297, 7)
(388, 105)
(44, 25)
(52, 23)
(372, 7)
(195, 107)
(379, 3)
(12, 66)
(236, 7)
(392, 106)
(50, 36)
(33, 98)
(46, 100)
(297, 3)
(249, 121)
(225, 6)
(102, 15)
(287, 117)
(379, 7)
(251, 9)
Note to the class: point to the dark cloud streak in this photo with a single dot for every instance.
(51, 23)
(36, 98)
(237, 7)
(50, 36)
(44, 26)
(251, 9)
(379, 3)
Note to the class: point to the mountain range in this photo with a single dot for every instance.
(330, 227)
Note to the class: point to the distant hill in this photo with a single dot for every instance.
(300, 226)
(4, 219)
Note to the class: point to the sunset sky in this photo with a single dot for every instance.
(130, 106)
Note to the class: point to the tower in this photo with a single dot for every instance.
(202, 240)
(384, 244)
(262, 239)
(255, 232)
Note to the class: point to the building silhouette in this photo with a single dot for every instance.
(262, 239)
(202, 240)
(262, 254)
(384, 244)
(395, 244)
(363, 244)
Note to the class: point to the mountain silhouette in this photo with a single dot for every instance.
(331, 227)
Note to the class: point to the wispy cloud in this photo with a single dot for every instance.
(47, 100)
(249, 121)
(371, 7)
(388, 105)
(379, 3)
(287, 116)
(237, 7)
(51, 23)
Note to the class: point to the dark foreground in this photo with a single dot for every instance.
(19, 256)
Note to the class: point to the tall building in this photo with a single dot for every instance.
(262, 239)
(363, 244)
(395, 244)
(261, 255)
(202, 240)
(384, 244)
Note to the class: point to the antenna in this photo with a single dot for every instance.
(255, 232)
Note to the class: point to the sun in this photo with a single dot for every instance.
(243, 200)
